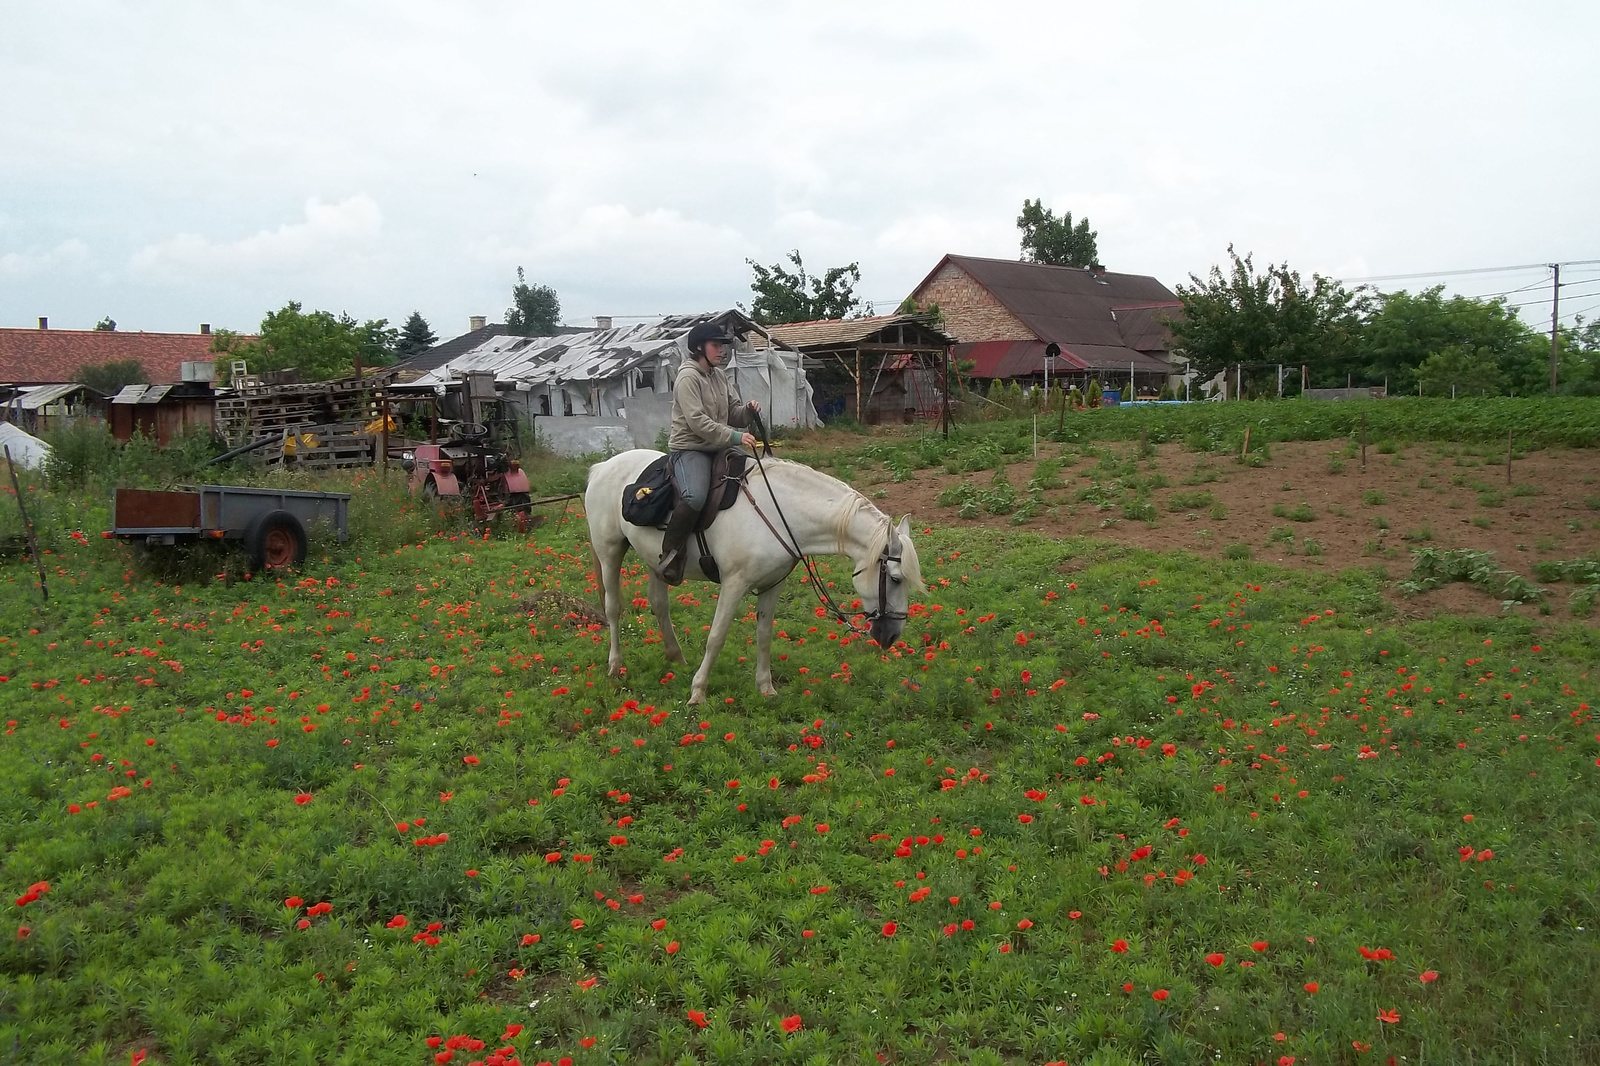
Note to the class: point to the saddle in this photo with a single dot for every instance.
(648, 501)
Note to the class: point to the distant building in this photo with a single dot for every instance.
(47, 356)
(1005, 314)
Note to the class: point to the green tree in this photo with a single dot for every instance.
(1579, 370)
(1271, 317)
(106, 325)
(1407, 329)
(783, 295)
(1057, 241)
(1458, 370)
(416, 336)
(535, 310)
(108, 378)
(320, 345)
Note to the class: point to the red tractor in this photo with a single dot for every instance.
(469, 468)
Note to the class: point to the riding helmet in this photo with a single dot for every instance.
(707, 331)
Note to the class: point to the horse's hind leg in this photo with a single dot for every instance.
(608, 561)
(661, 604)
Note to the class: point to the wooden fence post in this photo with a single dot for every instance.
(27, 527)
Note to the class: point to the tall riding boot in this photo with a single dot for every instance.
(675, 542)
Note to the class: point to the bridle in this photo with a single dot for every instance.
(892, 552)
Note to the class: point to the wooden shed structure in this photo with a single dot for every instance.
(162, 412)
(897, 365)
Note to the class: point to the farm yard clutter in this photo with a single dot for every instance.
(1329, 764)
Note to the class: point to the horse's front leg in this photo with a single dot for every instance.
(766, 611)
(609, 564)
(661, 604)
(729, 597)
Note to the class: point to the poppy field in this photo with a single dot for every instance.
(1099, 805)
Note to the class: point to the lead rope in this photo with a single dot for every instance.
(793, 545)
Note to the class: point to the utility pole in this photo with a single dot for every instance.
(1555, 325)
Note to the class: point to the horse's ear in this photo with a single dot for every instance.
(903, 527)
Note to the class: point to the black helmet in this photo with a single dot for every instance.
(706, 331)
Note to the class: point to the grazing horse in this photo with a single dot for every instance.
(797, 512)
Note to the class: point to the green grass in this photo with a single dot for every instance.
(1311, 767)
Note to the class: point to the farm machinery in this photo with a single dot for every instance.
(471, 469)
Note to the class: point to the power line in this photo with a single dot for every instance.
(1469, 270)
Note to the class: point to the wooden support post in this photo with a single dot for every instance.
(861, 416)
(1509, 435)
(944, 415)
(1144, 440)
(27, 528)
(383, 436)
(1363, 442)
(1245, 451)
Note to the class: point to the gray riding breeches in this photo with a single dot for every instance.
(691, 472)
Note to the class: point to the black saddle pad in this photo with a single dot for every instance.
(648, 501)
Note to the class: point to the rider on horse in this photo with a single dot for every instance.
(705, 413)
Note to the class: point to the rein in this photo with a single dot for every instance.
(792, 545)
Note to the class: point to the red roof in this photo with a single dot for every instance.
(47, 356)
(1012, 359)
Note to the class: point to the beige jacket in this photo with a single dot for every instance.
(705, 410)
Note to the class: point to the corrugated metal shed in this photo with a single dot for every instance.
(34, 397)
(594, 356)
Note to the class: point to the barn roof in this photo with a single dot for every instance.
(50, 356)
(593, 355)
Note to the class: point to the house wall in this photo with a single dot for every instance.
(971, 313)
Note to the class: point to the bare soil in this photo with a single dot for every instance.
(1417, 496)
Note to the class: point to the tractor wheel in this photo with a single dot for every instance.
(430, 489)
(276, 541)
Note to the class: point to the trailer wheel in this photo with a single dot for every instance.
(430, 489)
(276, 541)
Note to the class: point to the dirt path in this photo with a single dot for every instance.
(1329, 513)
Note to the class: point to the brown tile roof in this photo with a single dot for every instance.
(1077, 308)
(45, 356)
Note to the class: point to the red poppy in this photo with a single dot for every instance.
(577, 923)
(586, 1042)
(1391, 1015)
(1128, 987)
(399, 921)
(672, 948)
(1311, 987)
(588, 982)
(1429, 976)
(294, 903)
(1216, 958)
(304, 798)
(889, 928)
(1024, 818)
(1160, 995)
(1074, 915)
(791, 1024)
(618, 841)
(470, 760)
(529, 938)
(1119, 946)
(699, 1018)
(1258, 945)
(1025, 925)
(822, 827)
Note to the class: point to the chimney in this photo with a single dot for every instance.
(44, 323)
(205, 329)
(602, 321)
(477, 322)
(1097, 272)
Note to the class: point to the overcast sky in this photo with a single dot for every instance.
(171, 163)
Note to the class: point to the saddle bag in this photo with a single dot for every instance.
(648, 501)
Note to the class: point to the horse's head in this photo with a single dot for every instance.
(886, 581)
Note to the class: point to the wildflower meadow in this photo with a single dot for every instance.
(1100, 805)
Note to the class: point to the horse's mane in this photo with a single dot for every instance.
(852, 503)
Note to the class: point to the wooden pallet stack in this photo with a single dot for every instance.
(323, 425)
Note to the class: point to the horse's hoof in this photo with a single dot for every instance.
(769, 690)
(675, 655)
(696, 699)
(614, 669)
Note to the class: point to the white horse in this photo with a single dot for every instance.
(823, 515)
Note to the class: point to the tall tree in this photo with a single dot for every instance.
(1271, 317)
(108, 378)
(107, 325)
(1057, 241)
(416, 336)
(784, 295)
(1407, 329)
(535, 310)
(320, 345)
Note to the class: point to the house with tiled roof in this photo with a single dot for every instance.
(47, 356)
(1008, 316)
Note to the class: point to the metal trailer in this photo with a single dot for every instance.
(272, 524)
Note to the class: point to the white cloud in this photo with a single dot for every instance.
(330, 233)
(69, 253)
